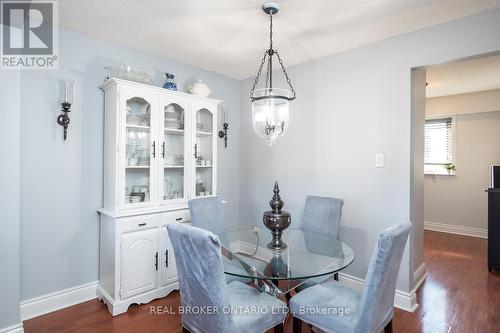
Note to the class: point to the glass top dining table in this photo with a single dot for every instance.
(308, 255)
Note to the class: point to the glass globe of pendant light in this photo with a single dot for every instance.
(270, 105)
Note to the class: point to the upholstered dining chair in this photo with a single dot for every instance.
(322, 215)
(208, 213)
(210, 304)
(369, 311)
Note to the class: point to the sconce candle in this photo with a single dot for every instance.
(67, 98)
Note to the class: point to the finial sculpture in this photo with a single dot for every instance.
(276, 220)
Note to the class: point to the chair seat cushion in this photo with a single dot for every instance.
(254, 311)
(329, 306)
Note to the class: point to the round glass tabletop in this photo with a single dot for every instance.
(308, 254)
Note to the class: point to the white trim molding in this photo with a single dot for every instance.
(58, 300)
(456, 229)
(13, 329)
(402, 300)
(419, 276)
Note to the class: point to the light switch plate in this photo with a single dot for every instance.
(379, 160)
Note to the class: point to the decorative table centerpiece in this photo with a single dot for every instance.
(276, 220)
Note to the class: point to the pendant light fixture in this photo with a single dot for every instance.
(270, 105)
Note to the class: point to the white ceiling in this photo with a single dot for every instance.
(230, 36)
(464, 77)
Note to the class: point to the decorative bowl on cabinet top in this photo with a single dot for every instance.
(199, 89)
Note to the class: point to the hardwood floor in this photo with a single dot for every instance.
(459, 295)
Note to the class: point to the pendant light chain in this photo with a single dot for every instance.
(269, 53)
(257, 76)
(286, 74)
(271, 31)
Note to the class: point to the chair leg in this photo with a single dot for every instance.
(336, 276)
(297, 325)
(278, 328)
(388, 327)
(185, 330)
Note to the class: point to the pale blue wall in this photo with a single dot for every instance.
(350, 106)
(10, 114)
(61, 182)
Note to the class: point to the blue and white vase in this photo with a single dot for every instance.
(170, 82)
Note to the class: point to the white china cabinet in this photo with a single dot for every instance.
(160, 150)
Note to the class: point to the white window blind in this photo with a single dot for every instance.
(438, 141)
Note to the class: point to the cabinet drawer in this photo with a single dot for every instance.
(139, 223)
(181, 216)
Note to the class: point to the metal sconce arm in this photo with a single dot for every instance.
(63, 118)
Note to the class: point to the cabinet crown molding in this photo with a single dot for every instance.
(155, 89)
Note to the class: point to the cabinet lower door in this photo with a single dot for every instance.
(139, 262)
(168, 269)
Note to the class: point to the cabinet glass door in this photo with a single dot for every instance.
(140, 150)
(173, 150)
(205, 151)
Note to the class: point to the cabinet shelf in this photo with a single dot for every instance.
(175, 131)
(137, 126)
(137, 166)
(203, 166)
(173, 166)
(202, 133)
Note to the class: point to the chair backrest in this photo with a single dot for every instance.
(322, 215)
(377, 299)
(201, 277)
(207, 213)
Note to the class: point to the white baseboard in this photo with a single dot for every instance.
(402, 300)
(456, 229)
(419, 276)
(13, 329)
(55, 301)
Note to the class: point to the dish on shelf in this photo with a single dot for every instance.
(144, 119)
(169, 109)
(133, 119)
(173, 125)
(144, 161)
(128, 73)
(199, 126)
(171, 116)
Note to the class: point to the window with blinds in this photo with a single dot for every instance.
(438, 141)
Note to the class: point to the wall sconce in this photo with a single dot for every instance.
(67, 99)
(223, 133)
